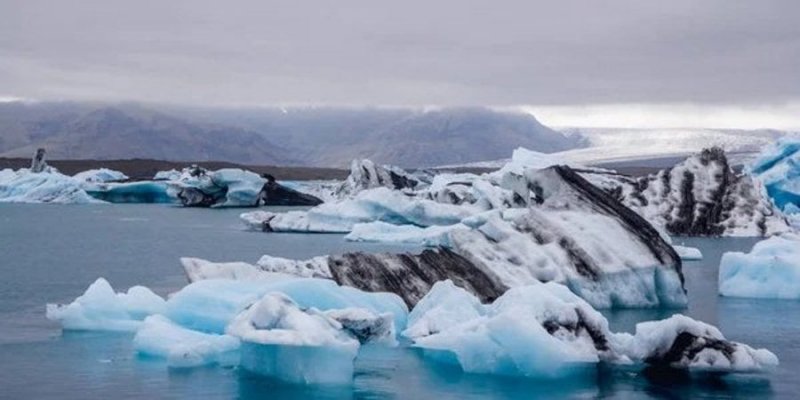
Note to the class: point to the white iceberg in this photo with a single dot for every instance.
(688, 253)
(100, 175)
(48, 186)
(770, 270)
(100, 308)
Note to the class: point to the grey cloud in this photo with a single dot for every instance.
(404, 53)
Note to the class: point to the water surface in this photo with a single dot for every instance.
(51, 253)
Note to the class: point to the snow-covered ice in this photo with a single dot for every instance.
(100, 175)
(48, 186)
(379, 204)
(700, 196)
(291, 344)
(378, 231)
(770, 270)
(546, 331)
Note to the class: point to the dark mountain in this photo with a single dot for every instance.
(125, 132)
(304, 136)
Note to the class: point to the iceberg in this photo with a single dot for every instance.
(302, 346)
(680, 342)
(306, 330)
(210, 305)
(131, 192)
(364, 174)
(159, 337)
(48, 186)
(770, 270)
(701, 196)
(230, 187)
(546, 331)
(100, 308)
(100, 175)
(688, 253)
(778, 168)
(41, 184)
(562, 229)
(379, 204)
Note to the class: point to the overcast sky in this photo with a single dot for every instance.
(575, 62)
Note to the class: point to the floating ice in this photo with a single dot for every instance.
(683, 343)
(380, 204)
(209, 305)
(778, 167)
(546, 331)
(688, 253)
(181, 347)
(100, 308)
(770, 270)
(131, 192)
(541, 331)
(100, 175)
(48, 186)
(171, 175)
(288, 343)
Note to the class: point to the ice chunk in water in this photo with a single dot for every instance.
(770, 270)
(100, 308)
(288, 343)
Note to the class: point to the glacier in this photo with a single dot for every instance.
(770, 270)
(562, 336)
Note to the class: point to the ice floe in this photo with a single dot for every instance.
(546, 331)
(770, 270)
(100, 308)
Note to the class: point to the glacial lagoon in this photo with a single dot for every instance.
(51, 253)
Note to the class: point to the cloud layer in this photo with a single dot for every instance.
(403, 53)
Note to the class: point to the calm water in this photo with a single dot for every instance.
(52, 253)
